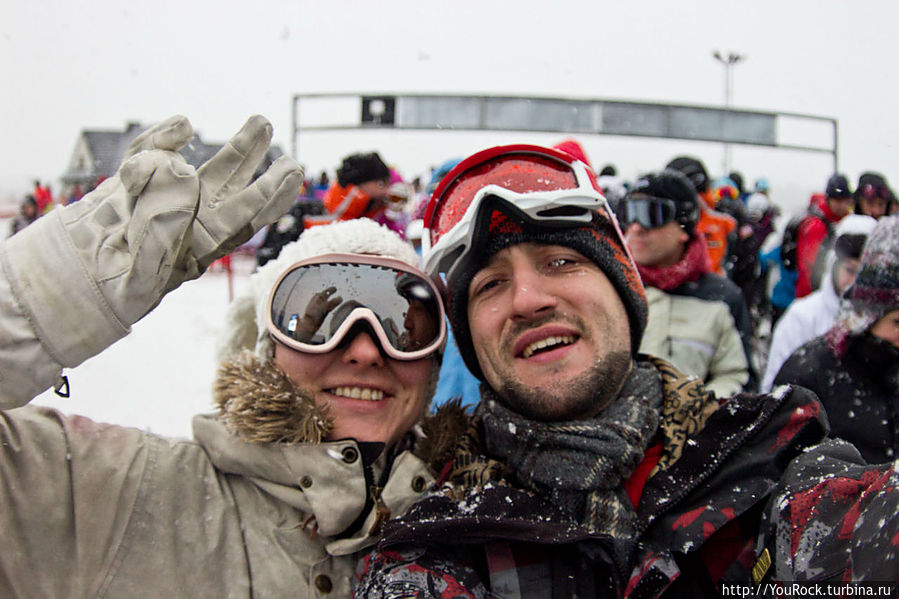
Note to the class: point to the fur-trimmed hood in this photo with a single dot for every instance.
(259, 404)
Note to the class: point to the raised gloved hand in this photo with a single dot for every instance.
(88, 271)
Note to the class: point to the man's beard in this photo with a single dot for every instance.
(577, 399)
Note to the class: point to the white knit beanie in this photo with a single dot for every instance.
(245, 318)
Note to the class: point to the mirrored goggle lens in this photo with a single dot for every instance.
(313, 301)
(521, 174)
(649, 213)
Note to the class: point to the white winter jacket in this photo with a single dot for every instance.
(698, 337)
(814, 314)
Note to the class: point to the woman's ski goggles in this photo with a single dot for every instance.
(320, 302)
(544, 186)
(647, 211)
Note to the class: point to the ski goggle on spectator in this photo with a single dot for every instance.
(869, 192)
(321, 302)
(540, 186)
(647, 211)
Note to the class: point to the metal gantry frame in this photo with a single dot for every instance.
(580, 116)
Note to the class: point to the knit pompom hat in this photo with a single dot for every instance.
(876, 288)
(245, 327)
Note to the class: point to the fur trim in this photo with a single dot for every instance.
(245, 318)
(259, 404)
(441, 432)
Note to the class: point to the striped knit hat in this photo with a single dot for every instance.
(876, 289)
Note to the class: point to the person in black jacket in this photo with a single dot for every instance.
(588, 469)
(854, 367)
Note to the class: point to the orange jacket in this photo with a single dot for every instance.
(715, 227)
(345, 203)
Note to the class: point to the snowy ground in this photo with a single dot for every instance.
(161, 374)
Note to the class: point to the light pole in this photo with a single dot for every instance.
(728, 60)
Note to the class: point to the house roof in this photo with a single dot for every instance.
(107, 147)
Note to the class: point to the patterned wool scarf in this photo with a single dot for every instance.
(580, 465)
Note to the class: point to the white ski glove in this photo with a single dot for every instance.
(85, 273)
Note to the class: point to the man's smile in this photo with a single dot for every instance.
(543, 339)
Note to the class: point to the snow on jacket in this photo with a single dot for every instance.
(833, 518)
(806, 318)
(698, 337)
(859, 391)
(698, 513)
(95, 510)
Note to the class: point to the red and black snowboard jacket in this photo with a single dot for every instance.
(700, 495)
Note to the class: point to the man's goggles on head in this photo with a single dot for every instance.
(544, 186)
(647, 211)
(319, 302)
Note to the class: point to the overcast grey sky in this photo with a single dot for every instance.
(99, 64)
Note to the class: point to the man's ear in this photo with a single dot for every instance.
(684, 236)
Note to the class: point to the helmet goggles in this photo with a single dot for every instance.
(321, 302)
(543, 186)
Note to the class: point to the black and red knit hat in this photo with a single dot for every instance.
(598, 241)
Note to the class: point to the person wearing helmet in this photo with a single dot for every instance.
(659, 217)
(589, 469)
(329, 357)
